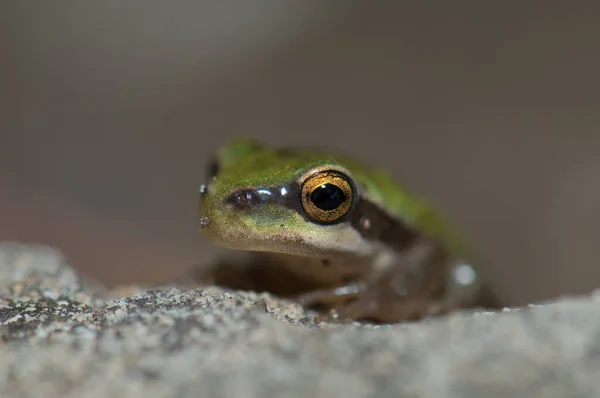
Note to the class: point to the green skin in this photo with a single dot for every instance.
(292, 250)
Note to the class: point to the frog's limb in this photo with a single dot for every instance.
(421, 285)
(330, 296)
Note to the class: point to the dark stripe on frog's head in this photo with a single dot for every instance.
(374, 223)
(247, 198)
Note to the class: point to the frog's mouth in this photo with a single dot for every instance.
(238, 236)
(233, 234)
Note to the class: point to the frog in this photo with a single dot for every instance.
(334, 234)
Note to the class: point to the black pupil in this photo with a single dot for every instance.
(328, 197)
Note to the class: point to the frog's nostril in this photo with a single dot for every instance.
(241, 199)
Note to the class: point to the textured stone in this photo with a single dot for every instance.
(63, 337)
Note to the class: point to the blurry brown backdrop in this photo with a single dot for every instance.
(108, 112)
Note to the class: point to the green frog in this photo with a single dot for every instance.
(334, 234)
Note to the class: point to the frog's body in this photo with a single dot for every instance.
(332, 233)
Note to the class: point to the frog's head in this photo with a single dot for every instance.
(294, 201)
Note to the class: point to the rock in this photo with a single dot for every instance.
(64, 337)
(34, 271)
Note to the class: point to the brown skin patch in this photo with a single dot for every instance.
(374, 224)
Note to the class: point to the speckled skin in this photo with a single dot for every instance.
(323, 258)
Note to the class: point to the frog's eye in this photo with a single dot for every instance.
(327, 196)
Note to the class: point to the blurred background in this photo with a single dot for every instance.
(109, 111)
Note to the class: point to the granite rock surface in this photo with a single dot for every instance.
(62, 335)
